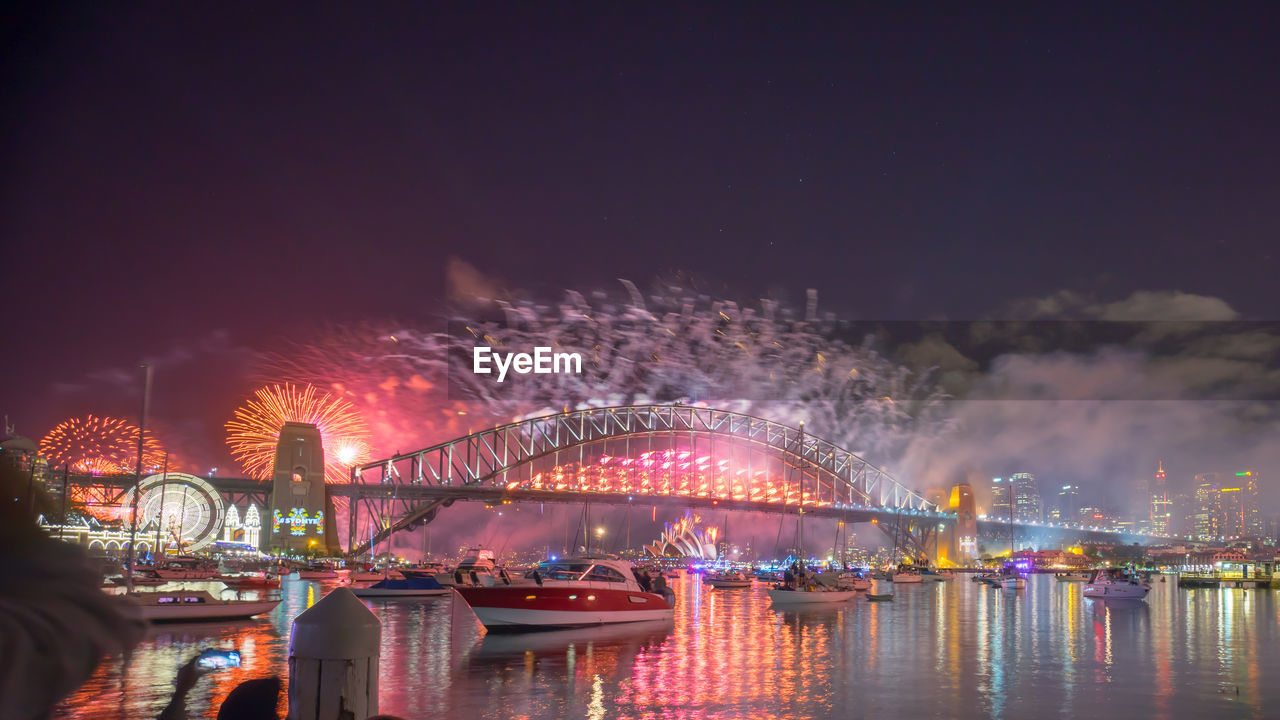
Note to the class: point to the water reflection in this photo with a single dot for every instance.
(951, 649)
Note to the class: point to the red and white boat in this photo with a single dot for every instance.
(249, 581)
(585, 590)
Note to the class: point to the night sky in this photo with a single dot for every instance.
(208, 180)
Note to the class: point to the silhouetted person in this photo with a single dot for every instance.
(660, 584)
(537, 577)
(56, 624)
(250, 700)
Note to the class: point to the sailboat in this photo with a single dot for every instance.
(1012, 582)
(812, 592)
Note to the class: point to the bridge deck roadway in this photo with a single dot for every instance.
(498, 495)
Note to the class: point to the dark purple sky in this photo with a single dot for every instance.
(172, 171)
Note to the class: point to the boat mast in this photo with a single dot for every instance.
(801, 548)
(137, 483)
(164, 481)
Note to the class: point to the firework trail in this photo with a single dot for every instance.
(253, 433)
(100, 446)
(673, 345)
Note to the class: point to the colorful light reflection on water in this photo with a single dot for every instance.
(952, 649)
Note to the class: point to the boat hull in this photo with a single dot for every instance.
(389, 592)
(900, 578)
(516, 607)
(804, 597)
(729, 583)
(222, 611)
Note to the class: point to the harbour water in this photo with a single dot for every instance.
(954, 649)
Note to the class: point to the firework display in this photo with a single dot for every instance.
(673, 345)
(254, 431)
(100, 446)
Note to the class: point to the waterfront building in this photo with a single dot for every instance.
(1161, 514)
(1208, 505)
(1027, 505)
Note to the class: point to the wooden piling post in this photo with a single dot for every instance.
(333, 659)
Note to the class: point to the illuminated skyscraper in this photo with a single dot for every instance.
(1027, 505)
(1001, 498)
(1239, 506)
(1208, 506)
(1068, 509)
(1161, 505)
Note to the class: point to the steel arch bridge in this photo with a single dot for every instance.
(703, 456)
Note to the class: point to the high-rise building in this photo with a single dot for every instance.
(1161, 504)
(1001, 498)
(1140, 501)
(1208, 505)
(1027, 505)
(1239, 506)
(1068, 508)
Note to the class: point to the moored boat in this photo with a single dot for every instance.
(1116, 584)
(818, 594)
(185, 568)
(883, 597)
(1072, 577)
(408, 587)
(585, 590)
(730, 579)
(317, 572)
(196, 605)
(250, 582)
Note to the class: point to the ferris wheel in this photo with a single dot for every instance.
(186, 510)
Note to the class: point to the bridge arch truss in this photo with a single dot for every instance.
(807, 472)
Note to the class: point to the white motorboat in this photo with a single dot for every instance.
(906, 576)
(1116, 584)
(853, 581)
(818, 594)
(585, 590)
(730, 579)
(940, 576)
(476, 569)
(1013, 583)
(196, 606)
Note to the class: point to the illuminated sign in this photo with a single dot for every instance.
(297, 521)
